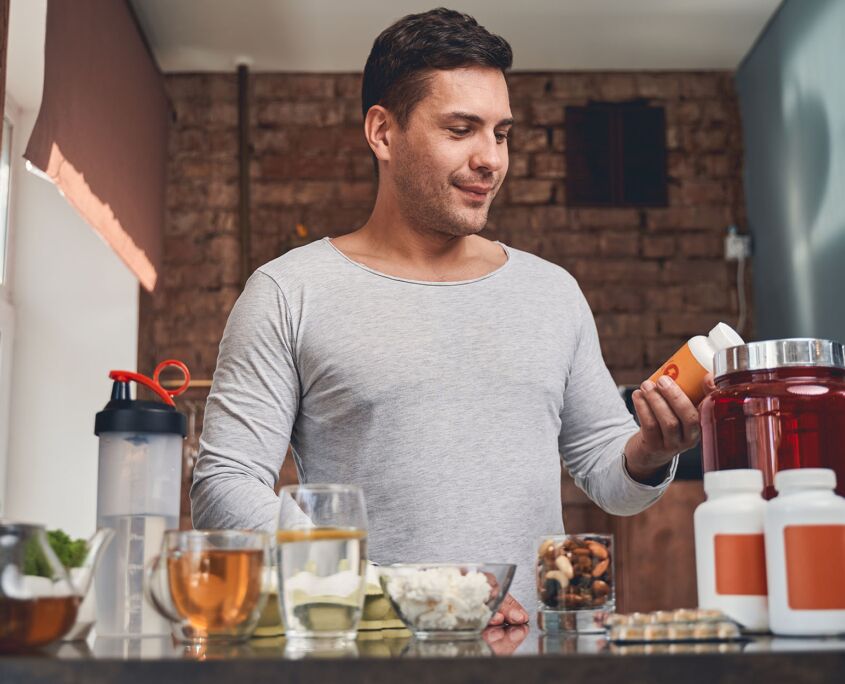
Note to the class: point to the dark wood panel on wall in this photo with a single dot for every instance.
(655, 549)
(658, 548)
(288, 474)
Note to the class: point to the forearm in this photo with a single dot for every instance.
(233, 501)
(644, 467)
(612, 487)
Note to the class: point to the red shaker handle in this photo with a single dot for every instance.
(176, 364)
(153, 383)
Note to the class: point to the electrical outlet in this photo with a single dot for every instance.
(737, 246)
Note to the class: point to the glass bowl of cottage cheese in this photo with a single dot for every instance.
(446, 600)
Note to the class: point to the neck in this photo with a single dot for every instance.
(390, 235)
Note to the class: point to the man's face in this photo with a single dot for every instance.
(449, 163)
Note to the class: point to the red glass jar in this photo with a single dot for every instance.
(778, 404)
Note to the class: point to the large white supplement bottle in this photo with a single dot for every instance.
(729, 547)
(805, 554)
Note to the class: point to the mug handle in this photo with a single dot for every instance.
(161, 602)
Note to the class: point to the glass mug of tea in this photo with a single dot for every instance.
(321, 559)
(208, 583)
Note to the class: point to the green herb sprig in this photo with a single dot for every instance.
(71, 553)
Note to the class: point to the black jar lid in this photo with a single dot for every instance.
(773, 354)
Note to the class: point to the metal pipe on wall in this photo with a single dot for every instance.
(245, 228)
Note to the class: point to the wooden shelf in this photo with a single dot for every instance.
(195, 384)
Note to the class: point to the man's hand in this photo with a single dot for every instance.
(505, 640)
(509, 612)
(669, 424)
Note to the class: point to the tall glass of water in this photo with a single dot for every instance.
(322, 559)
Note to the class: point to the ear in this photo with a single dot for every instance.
(378, 129)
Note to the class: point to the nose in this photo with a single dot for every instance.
(488, 154)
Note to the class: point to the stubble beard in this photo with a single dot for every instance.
(431, 206)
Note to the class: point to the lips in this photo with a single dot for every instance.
(477, 191)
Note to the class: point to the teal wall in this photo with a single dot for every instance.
(792, 100)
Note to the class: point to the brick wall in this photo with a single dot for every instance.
(653, 277)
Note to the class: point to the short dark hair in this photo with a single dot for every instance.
(399, 69)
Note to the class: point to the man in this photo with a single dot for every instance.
(444, 373)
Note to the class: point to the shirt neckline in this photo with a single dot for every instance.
(438, 283)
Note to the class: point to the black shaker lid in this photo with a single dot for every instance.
(124, 414)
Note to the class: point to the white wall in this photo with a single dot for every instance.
(76, 318)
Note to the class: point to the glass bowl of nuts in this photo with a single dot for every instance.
(446, 600)
(575, 583)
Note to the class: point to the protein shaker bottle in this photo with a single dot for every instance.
(138, 488)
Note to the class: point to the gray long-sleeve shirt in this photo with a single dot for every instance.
(451, 404)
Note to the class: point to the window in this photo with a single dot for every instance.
(7, 322)
(616, 155)
(5, 156)
(7, 314)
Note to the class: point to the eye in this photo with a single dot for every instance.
(502, 137)
(459, 131)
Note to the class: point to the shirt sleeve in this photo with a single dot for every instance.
(249, 415)
(595, 427)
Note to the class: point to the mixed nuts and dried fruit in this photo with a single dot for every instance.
(575, 573)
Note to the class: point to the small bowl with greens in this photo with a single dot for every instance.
(79, 558)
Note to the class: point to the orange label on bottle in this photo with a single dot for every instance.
(740, 564)
(815, 566)
(688, 373)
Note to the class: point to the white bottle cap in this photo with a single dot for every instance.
(805, 478)
(724, 336)
(739, 480)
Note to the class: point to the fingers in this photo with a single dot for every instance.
(494, 585)
(709, 383)
(682, 409)
(670, 425)
(505, 640)
(498, 617)
(493, 635)
(648, 421)
(516, 634)
(513, 612)
(674, 412)
(660, 433)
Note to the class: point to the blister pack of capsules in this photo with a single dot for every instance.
(668, 626)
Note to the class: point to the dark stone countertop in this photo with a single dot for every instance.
(511, 656)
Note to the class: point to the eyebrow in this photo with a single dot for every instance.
(474, 118)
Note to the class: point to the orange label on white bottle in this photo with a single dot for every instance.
(740, 564)
(688, 373)
(815, 566)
